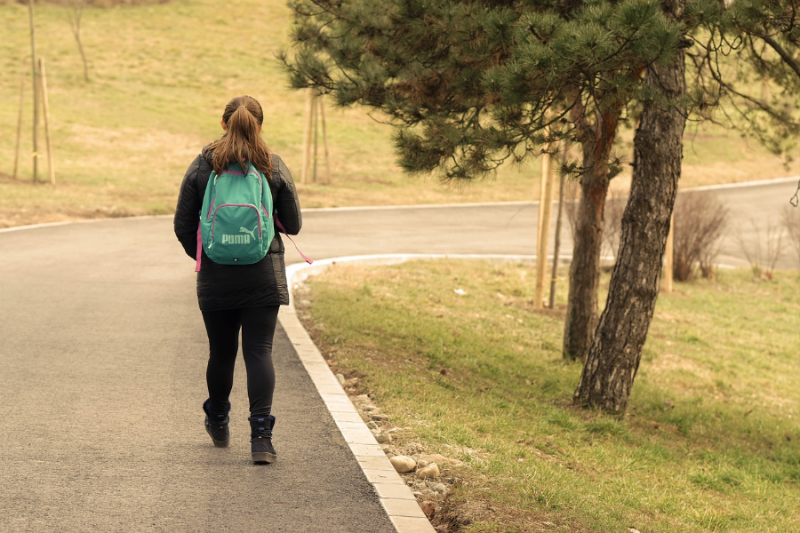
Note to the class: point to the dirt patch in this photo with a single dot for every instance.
(455, 515)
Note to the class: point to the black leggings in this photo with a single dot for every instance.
(258, 329)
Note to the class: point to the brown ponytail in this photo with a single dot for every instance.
(242, 142)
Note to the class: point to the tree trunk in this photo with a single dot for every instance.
(584, 271)
(616, 349)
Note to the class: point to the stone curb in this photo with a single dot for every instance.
(400, 504)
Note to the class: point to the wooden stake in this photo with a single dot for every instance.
(46, 109)
(35, 97)
(557, 243)
(315, 120)
(545, 209)
(307, 137)
(545, 165)
(325, 141)
(669, 255)
(19, 122)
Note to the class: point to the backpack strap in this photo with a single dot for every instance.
(283, 230)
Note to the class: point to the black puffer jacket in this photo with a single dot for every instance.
(236, 286)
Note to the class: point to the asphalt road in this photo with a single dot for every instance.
(102, 377)
(511, 228)
(103, 355)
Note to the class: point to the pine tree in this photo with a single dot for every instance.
(727, 57)
(472, 84)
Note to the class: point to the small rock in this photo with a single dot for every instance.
(361, 398)
(383, 438)
(403, 463)
(378, 416)
(429, 471)
(429, 508)
(372, 425)
(393, 450)
(341, 379)
(415, 447)
(441, 488)
(368, 407)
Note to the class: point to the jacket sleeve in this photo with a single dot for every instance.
(187, 213)
(287, 205)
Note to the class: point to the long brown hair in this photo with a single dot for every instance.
(242, 142)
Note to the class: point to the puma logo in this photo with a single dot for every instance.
(245, 230)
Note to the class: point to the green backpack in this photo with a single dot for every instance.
(236, 221)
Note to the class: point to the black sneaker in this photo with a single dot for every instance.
(261, 439)
(217, 425)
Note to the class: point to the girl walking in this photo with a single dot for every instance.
(236, 297)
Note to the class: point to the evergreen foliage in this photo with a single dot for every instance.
(742, 49)
(471, 84)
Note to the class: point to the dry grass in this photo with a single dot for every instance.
(161, 74)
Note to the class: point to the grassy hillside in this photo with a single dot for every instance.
(161, 75)
(711, 441)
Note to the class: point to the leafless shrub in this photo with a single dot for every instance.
(762, 248)
(700, 220)
(791, 223)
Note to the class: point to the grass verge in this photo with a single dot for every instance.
(711, 441)
(160, 76)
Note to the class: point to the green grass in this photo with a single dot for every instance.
(711, 441)
(161, 74)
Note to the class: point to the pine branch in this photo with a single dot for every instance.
(787, 58)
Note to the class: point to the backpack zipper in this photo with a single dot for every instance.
(236, 173)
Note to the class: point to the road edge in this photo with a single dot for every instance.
(394, 495)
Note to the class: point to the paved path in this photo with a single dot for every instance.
(102, 360)
(102, 365)
(506, 228)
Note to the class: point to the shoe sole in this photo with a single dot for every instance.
(264, 457)
(218, 443)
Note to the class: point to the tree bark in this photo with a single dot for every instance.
(616, 348)
(584, 271)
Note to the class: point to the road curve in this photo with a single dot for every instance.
(510, 228)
